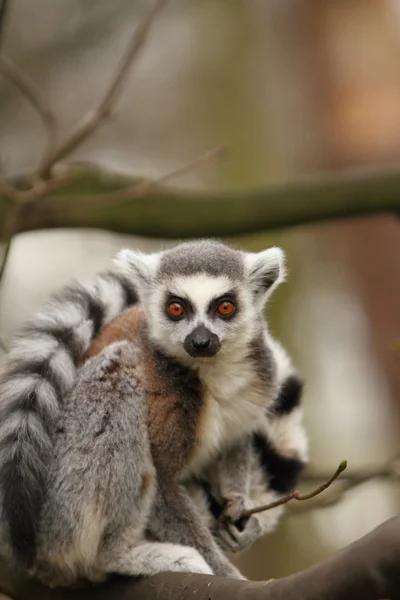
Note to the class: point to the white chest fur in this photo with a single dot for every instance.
(235, 400)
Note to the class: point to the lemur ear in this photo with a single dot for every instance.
(137, 265)
(265, 271)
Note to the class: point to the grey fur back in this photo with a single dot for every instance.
(38, 374)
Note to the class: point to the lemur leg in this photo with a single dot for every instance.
(234, 473)
(149, 558)
(176, 519)
(102, 477)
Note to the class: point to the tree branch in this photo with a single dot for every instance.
(3, 11)
(211, 155)
(390, 471)
(365, 570)
(89, 123)
(295, 494)
(198, 213)
(34, 95)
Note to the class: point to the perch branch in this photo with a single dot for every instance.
(207, 213)
(296, 495)
(368, 569)
(34, 95)
(89, 123)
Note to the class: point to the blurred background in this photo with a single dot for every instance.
(292, 88)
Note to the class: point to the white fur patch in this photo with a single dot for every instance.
(235, 405)
(27, 424)
(288, 436)
(67, 313)
(138, 265)
(260, 496)
(110, 294)
(63, 367)
(153, 557)
(200, 289)
(37, 346)
(283, 361)
(19, 387)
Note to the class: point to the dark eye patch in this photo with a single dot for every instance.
(189, 310)
(228, 297)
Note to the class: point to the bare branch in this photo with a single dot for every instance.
(93, 118)
(322, 198)
(210, 156)
(34, 95)
(390, 471)
(296, 495)
(365, 570)
(4, 261)
(3, 11)
(5, 349)
(142, 188)
(7, 190)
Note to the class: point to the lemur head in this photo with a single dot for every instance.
(203, 297)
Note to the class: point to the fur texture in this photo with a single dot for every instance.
(205, 408)
(37, 376)
(102, 482)
(259, 470)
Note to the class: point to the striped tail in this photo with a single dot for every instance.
(39, 372)
(281, 440)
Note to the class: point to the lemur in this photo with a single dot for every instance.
(228, 355)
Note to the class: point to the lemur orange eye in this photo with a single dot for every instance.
(175, 310)
(226, 308)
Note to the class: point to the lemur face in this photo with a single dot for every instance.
(203, 299)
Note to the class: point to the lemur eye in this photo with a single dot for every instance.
(175, 310)
(226, 308)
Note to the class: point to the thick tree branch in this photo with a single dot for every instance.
(365, 570)
(87, 200)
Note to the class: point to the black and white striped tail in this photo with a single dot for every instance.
(39, 372)
(281, 442)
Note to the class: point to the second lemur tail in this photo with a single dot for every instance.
(281, 441)
(40, 370)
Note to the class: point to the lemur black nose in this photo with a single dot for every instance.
(202, 342)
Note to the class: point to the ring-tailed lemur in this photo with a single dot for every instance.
(197, 273)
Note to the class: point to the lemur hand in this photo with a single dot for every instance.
(233, 533)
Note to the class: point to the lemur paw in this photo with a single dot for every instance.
(233, 533)
(235, 505)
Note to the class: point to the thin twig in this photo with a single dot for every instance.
(141, 188)
(8, 191)
(9, 227)
(296, 495)
(3, 10)
(34, 95)
(3, 347)
(4, 259)
(89, 123)
(390, 471)
(210, 156)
